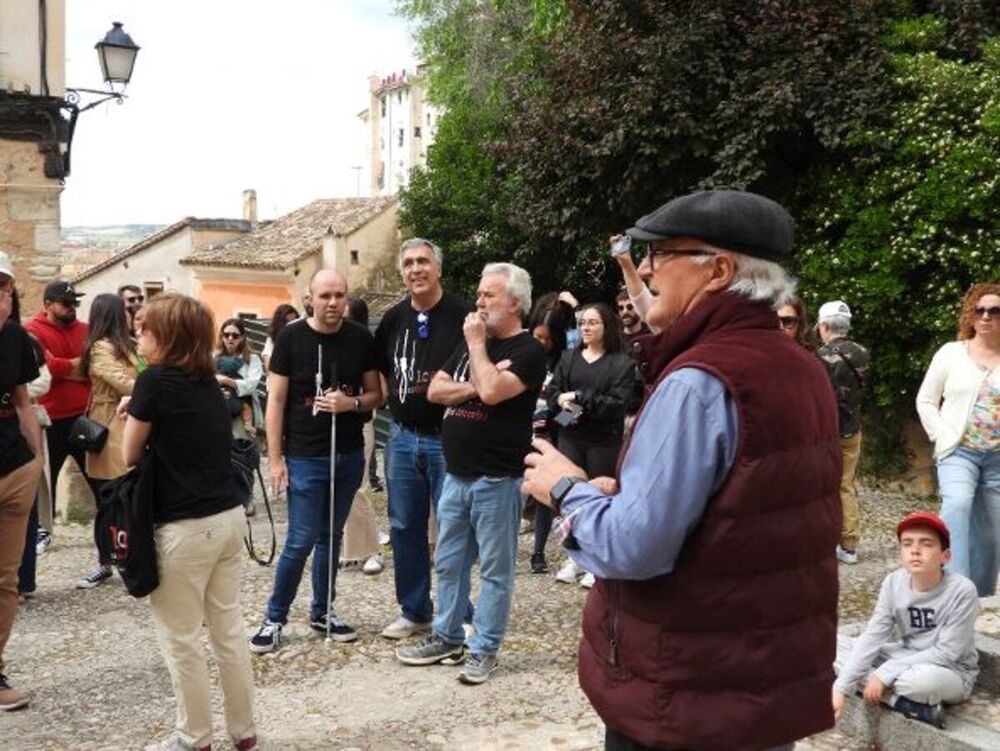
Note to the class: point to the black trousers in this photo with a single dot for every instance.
(57, 438)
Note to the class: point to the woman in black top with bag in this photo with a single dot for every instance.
(591, 390)
(178, 414)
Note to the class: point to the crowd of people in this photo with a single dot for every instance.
(693, 448)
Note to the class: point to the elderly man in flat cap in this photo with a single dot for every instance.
(713, 621)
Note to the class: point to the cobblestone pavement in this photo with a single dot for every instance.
(98, 682)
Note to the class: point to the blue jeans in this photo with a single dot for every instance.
(477, 516)
(309, 528)
(969, 482)
(414, 475)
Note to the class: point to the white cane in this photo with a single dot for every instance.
(333, 475)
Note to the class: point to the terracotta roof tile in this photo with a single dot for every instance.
(293, 237)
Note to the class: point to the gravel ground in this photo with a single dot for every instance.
(98, 682)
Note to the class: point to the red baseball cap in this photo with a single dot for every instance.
(925, 519)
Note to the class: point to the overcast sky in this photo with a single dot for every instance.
(226, 95)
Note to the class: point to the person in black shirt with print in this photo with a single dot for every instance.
(489, 385)
(177, 413)
(413, 340)
(321, 366)
(20, 463)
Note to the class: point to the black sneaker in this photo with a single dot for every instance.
(339, 631)
(538, 564)
(98, 575)
(932, 714)
(267, 638)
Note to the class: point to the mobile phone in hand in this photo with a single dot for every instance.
(621, 246)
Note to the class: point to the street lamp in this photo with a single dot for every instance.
(116, 53)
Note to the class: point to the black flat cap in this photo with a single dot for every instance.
(731, 219)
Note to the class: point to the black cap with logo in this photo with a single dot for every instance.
(57, 291)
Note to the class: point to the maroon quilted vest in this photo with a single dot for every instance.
(734, 648)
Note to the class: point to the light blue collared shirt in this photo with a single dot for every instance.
(682, 448)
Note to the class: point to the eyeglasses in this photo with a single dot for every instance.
(69, 303)
(991, 312)
(625, 306)
(137, 298)
(231, 335)
(653, 253)
(788, 322)
(423, 324)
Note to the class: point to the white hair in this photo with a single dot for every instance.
(418, 242)
(758, 279)
(837, 325)
(518, 282)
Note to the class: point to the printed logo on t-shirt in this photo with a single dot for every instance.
(473, 409)
(409, 380)
(922, 617)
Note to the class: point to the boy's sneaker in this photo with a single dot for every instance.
(267, 638)
(477, 669)
(404, 628)
(97, 576)
(44, 540)
(430, 651)
(850, 557)
(932, 714)
(587, 580)
(10, 697)
(339, 631)
(538, 564)
(568, 573)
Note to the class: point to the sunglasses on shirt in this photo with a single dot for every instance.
(423, 324)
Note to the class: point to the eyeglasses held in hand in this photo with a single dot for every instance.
(423, 324)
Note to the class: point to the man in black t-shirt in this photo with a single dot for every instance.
(321, 366)
(413, 341)
(20, 463)
(489, 386)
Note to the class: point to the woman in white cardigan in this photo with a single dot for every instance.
(959, 406)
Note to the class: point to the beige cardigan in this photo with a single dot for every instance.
(111, 378)
(947, 395)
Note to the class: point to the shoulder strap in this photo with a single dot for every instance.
(854, 370)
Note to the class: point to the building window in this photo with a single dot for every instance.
(245, 316)
(354, 257)
(416, 131)
(152, 289)
(399, 97)
(383, 106)
(402, 135)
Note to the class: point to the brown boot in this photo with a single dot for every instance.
(11, 698)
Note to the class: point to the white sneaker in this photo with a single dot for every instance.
(526, 527)
(374, 565)
(44, 541)
(569, 572)
(403, 628)
(850, 557)
(587, 580)
(383, 538)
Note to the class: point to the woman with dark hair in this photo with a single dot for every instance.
(239, 372)
(179, 427)
(794, 322)
(592, 389)
(959, 406)
(283, 315)
(110, 361)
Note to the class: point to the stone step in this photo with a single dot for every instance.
(969, 728)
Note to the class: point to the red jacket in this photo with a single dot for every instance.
(734, 648)
(66, 398)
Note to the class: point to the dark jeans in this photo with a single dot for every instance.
(57, 437)
(615, 741)
(26, 583)
(101, 539)
(596, 460)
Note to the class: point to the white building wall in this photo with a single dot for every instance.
(20, 51)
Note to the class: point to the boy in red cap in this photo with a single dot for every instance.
(918, 649)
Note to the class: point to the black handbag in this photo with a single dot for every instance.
(87, 435)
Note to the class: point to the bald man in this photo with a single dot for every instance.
(322, 368)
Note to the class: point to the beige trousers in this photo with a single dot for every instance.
(17, 493)
(361, 530)
(851, 533)
(200, 562)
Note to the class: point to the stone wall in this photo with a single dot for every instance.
(29, 219)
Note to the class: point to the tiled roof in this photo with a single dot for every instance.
(295, 236)
(146, 242)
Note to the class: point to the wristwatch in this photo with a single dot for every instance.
(357, 404)
(559, 491)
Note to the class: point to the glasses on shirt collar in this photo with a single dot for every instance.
(423, 324)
